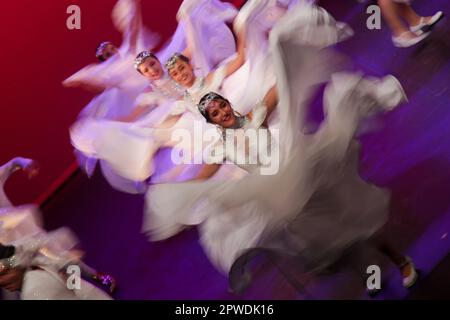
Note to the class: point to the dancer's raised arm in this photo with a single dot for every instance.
(270, 101)
(239, 60)
(127, 18)
(134, 26)
(18, 163)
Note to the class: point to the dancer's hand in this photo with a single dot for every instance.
(32, 169)
(239, 60)
(86, 85)
(270, 101)
(11, 279)
(185, 9)
(3, 268)
(29, 166)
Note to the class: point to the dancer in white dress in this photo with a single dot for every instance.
(33, 261)
(250, 26)
(115, 78)
(200, 23)
(115, 74)
(130, 149)
(195, 17)
(5, 171)
(254, 21)
(231, 77)
(316, 205)
(234, 77)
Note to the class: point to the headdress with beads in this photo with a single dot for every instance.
(170, 63)
(206, 100)
(140, 58)
(100, 48)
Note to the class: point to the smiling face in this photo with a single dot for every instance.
(182, 73)
(151, 68)
(220, 112)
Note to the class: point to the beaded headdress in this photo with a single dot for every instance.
(206, 100)
(140, 58)
(170, 63)
(100, 48)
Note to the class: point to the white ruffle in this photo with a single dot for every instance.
(316, 205)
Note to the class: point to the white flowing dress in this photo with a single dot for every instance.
(44, 256)
(50, 252)
(257, 17)
(122, 146)
(316, 204)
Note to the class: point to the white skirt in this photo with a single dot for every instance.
(45, 285)
(127, 150)
(316, 205)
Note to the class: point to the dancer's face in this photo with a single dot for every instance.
(151, 68)
(109, 51)
(183, 73)
(221, 113)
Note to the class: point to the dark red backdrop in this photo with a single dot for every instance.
(38, 52)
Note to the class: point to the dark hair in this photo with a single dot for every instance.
(141, 57)
(184, 58)
(6, 251)
(174, 58)
(212, 96)
(99, 49)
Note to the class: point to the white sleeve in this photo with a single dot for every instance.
(93, 75)
(217, 78)
(12, 166)
(21, 227)
(178, 108)
(259, 114)
(216, 153)
(45, 250)
(149, 98)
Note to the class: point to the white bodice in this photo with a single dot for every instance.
(248, 147)
(193, 94)
(167, 87)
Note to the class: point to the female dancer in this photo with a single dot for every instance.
(316, 205)
(33, 261)
(93, 137)
(251, 26)
(114, 78)
(251, 59)
(37, 263)
(249, 36)
(194, 16)
(184, 115)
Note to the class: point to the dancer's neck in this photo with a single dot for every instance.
(191, 84)
(194, 83)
